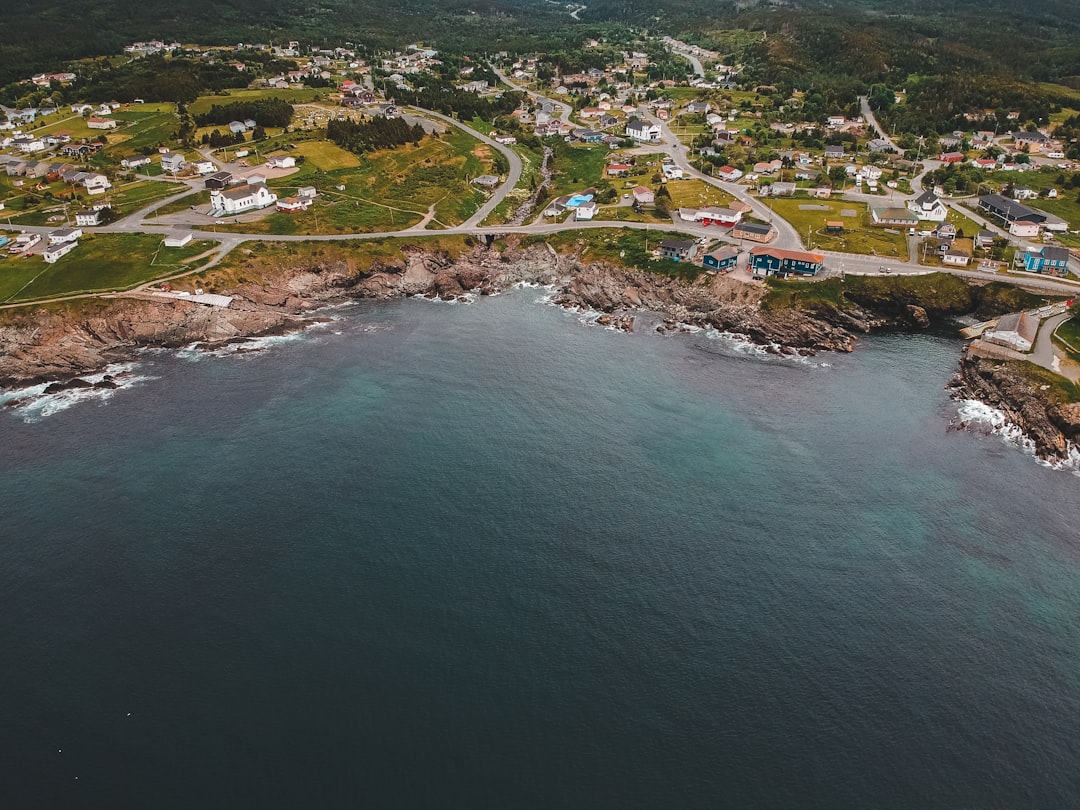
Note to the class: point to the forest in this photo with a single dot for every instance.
(372, 134)
(267, 112)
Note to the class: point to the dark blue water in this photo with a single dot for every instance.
(486, 556)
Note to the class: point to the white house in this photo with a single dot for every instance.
(135, 161)
(95, 122)
(96, 184)
(290, 205)
(586, 210)
(240, 199)
(204, 167)
(52, 254)
(172, 162)
(85, 218)
(642, 130)
(64, 235)
(927, 206)
(280, 162)
(871, 172)
(178, 239)
(307, 192)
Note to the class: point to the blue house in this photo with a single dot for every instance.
(777, 262)
(723, 259)
(1052, 260)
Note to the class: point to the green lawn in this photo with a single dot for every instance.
(387, 190)
(1068, 337)
(101, 262)
(204, 103)
(858, 236)
(183, 204)
(325, 156)
(621, 246)
(576, 166)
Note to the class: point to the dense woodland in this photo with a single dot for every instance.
(267, 112)
(372, 134)
(953, 57)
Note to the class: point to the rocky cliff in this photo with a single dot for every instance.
(1052, 425)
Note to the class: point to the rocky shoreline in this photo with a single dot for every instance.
(1052, 427)
(60, 344)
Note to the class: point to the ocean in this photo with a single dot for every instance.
(492, 555)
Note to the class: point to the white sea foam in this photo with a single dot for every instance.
(738, 345)
(32, 404)
(980, 417)
(243, 347)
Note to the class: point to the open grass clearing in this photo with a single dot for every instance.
(808, 217)
(102, 262)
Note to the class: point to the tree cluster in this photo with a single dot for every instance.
(372, 134)
(268, 112)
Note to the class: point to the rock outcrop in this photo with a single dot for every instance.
(1050, 425)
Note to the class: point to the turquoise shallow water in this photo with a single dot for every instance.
(488, 556)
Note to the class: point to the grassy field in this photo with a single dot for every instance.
(1068, 337)
(858, 236)
(204, 103)
(969, 226)
(102, 262)
(34, 208)
(696, 194)
(576, 167)
(386, 190)
(326, 156)
(183, 204)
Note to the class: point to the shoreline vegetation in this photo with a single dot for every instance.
(277, 289)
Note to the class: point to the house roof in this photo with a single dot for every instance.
(724, 253)
(677, 244)
(1055, 254)
(790, 255)
(927, 198)
(754, 227)
(894, 213)
(1019, 323)
(1011, 209)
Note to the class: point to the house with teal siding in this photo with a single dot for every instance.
(1052, 260)
(770, 261)
(722, 259)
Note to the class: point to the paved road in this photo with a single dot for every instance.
(868, 114)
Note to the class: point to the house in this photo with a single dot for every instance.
(986, 164)
(879, 145)
(724, 217)
(85, 218)
(178, 239)
(754, 231)
(204, 167)
(678, 250)
(64, 235)
(955, 258)
(618, 169)
(240, 199)
(642, 130)
(94, 122)
(135, 161)
(237, 127)
(1033, 142)
(870, 172)
(927, 206)
(671, 171)
(218, 180)
(776, 262)
(835, 121)
(586, 211)
(307, 192)
(1052, 260)
(96, 184)
(723, 259)
(834, 153)
(698, 108)
(172, 162)
(644, 195)
(729, 173)
(488, 181)
(280, 162)
(984, 239)
(894, 216)
(54, 253)
(1017, 331)
(290, 205)
(1017, 217)
(781, 189)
